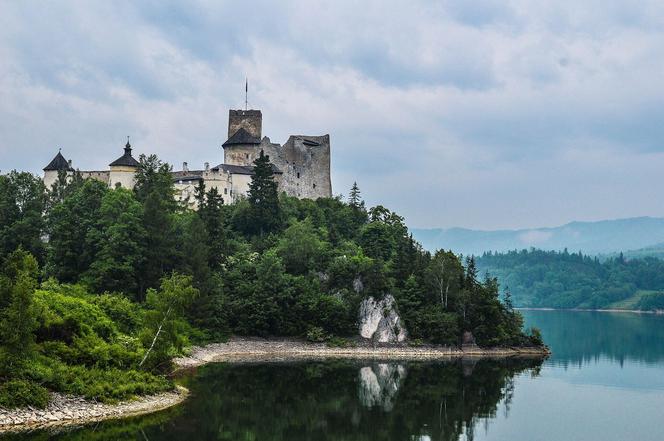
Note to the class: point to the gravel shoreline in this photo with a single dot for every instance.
(66, 410)
(258, 349)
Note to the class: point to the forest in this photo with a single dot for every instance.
(100, 288)
(560, 279)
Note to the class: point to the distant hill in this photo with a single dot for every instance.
(643, 234)
(555, 279)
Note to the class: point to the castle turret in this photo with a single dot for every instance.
(51, 171)
(244, 137)
(123, 170)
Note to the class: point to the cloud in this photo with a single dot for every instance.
(480, 114)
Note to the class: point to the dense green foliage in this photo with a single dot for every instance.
(267, 265)
(562, 280)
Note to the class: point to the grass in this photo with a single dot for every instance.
(631, 303)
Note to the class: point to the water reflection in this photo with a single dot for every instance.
(579, 338)
(335, 400)
(379, 384)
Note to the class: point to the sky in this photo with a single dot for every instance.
(483, 114)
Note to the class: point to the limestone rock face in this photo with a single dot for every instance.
(380, 321)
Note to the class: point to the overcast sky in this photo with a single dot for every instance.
(481, 114)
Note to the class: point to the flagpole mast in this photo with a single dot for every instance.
(246, 93)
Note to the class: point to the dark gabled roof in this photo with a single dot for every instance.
(126, 160)
(58, 163)
(235, 169)
(242, 169)
(241, 137)
(187, 178)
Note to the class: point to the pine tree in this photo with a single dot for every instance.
(199, 194)
(212, 216)
(265, 215)
(355, 197)
(508, 299)
(154, 189)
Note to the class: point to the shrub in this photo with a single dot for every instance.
(316, 334)
(21, 393)
(339, 342)
(535, 336)
(105, 385)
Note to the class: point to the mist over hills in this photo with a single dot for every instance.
(645, 234)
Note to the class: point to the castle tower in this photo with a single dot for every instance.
(123, 170)
(51, 171)
(244, 135)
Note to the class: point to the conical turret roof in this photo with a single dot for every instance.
(126, 160)
(58, 163)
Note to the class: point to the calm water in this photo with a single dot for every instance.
(605, 381)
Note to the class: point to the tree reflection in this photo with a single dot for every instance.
(332, 400)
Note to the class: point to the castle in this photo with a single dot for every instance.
(301, 166)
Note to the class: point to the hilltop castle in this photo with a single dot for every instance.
(301, 166)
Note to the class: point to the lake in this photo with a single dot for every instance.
(604, 381)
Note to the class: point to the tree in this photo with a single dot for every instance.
(508, 299)
(119, 236)
(64, 185)
(154, 189)
(355, 198)
(164, 333)
(264, 212)
(22, 203)
(300, 248)
(154, 176)
(377, 241)
(72, 246)
(18, 282)
(211, 213)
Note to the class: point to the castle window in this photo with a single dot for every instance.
(298, 175)
(314, 185)
(246, 155)
(225, 191)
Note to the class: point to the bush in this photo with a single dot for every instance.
(535, 337)
(105, 385)
(316, 334)
(21, 393)
(339, 342)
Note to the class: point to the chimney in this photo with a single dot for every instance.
(207, 166)
(69, 162)
(185, 167)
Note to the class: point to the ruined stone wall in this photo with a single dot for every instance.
(242, 154)
(305, 163)
(99, 175)
(250, 120)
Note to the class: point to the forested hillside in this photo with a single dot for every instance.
(537, 278)
(100, 287)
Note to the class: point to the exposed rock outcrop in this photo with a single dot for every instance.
(380, 321)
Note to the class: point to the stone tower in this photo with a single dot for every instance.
(244, 137)
(123, 170)
(57, 165)
(249, 120)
